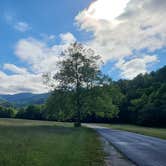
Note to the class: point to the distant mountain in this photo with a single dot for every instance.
(23, 99)
(5, 103)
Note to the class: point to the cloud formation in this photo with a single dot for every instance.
(135, 29)
(14, 69)
(127, 32)
(40, 57)
(135, 66)
(18, 83)
(67, 38)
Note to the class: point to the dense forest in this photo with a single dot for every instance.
(139, 101)
(145, 99)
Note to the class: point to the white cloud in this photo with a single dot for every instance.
(2, 74)
(96, 16)
(22, 26)
(67, 38)
(15, 69)
(51, 37)
(18, 83)
(135, 26)
(102, 9)
(130, 69)
(40, 57)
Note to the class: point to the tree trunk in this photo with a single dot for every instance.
(78, 107)
(77, 122)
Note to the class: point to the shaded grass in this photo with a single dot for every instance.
(41, 143)
(155, 132)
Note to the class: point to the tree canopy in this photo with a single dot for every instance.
(79, 69)
(79, 86)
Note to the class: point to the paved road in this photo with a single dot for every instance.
(142, 150)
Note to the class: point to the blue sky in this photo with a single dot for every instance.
(49, 17)
(129, 35)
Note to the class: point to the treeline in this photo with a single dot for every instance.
(145, 99)
(6, 112)
(139, 101)
(34, 112)
(98, 104)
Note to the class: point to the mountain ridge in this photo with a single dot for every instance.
(23, 99)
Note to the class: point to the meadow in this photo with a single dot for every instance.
(43, 143)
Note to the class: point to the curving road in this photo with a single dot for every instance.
(142, 150)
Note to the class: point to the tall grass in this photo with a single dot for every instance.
(38, 143)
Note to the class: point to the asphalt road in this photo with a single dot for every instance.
(142, 150)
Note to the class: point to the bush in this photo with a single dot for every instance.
(31, 112)
(6, 112)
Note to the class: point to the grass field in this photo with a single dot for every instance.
(155, 132)
(40, 143)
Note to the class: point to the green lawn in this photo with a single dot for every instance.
(156, 132)
(39, 143)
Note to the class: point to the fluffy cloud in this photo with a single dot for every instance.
(67, 38)
(40, 57)
(15, 69)
(22, 26)
(130, 69)
(18, 83)
(135, 26)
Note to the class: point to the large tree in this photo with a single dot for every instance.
(78, 70)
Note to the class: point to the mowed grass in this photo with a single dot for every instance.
(155, 132)
(40, 143)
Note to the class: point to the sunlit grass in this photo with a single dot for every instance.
(42, 143)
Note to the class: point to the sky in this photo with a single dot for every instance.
(129, 35)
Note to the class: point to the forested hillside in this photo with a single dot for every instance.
(24, 99)
(139, 101)
(145, 99)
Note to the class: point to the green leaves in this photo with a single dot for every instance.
(78, 68)
(145, 99)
